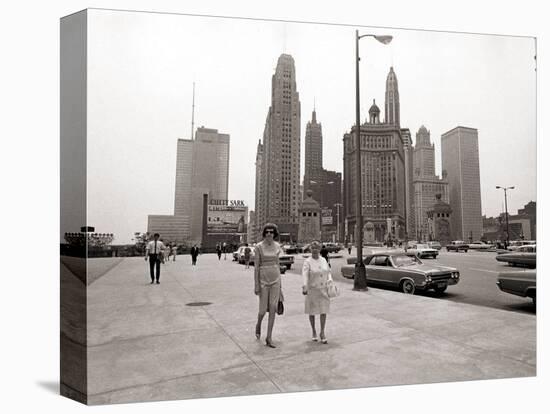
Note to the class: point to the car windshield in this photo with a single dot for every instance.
(404, 260)
(422, 246)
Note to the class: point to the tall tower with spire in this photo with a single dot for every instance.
(426, 184)
(392, 99)
(280, 167)
(313, 152)
(386, 188)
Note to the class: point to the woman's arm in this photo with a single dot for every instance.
(257, 262)
(305, 275)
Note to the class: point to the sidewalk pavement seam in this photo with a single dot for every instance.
(141, 337)
(231, 338)
(167, 380)
(99, 276)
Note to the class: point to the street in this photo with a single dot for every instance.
(478, 276)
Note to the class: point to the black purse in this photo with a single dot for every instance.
(280, 305)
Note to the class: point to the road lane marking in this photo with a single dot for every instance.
(484, 270)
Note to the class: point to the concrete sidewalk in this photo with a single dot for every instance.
(146, 344)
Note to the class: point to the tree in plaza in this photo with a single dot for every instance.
(141, 240)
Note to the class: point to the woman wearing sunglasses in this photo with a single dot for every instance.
(267, 279)
(316, 274)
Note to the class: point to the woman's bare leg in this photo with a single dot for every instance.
(312, 323)
(323, 322)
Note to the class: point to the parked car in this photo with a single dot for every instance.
(240, 254)
(286, 260)
(406, 272)
(517, 244)
(423, 250)
(523, 256)
(520, 283)
(456, 246)
(237, 253)
(434, 245)
(290, 248)
(478, 245)
(331, 247)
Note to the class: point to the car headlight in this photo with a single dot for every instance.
(428, 278)
(455, 275)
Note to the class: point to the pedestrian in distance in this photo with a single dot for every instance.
(174, 251)
(154, 253)
(194, 254)
(349, 249)
(267, 279)
(219, 251)
(167, 252)
(224, 249)
(247, 251)
(315, 277)
(324, 254)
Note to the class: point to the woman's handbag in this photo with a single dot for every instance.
(332, 289)
(280, 306)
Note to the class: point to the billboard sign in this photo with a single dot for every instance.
(326, 217)
(226, 216)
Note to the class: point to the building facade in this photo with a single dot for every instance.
(313, 154)
(460, 160)
(426, 183)
(196, 175)
(280, 158)
(382, 170)
(325, 185)
(409, 188)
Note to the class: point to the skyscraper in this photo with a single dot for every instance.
(460, 159)
(383, 178)
(409, 188)
(313, 155)
(202, 167)
(426, 183)
(210, 173)
(281, 151)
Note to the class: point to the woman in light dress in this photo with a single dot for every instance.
(267, 279)
(315, 275)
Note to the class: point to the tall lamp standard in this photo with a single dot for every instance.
(506, 212)
(338, 205)
(360, 279)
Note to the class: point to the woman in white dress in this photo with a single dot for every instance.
(316, 274)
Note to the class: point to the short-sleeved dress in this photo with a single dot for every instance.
(315, 274)
(266, 260)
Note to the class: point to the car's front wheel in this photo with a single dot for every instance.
(408, 286)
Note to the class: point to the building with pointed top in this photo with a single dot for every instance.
(426, 183)
(392, 107)
(280, 158)
(383, 170)
(325, 185)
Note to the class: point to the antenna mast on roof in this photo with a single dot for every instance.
(193, 113)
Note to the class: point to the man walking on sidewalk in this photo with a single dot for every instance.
(154, 252)
(194, 253)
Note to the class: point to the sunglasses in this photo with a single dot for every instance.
(269, 232)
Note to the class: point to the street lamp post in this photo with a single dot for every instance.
(338, 205)
(360, 279)
(506, 212)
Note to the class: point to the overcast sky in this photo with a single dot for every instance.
(142, 67)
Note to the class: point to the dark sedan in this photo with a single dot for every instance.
(524, 256)
(520, 283)
(405, 272)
